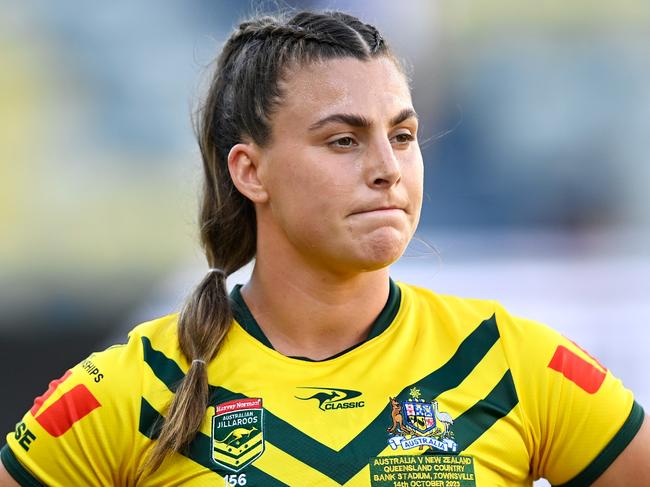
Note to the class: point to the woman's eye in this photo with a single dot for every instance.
(343, 142)
(404, 138)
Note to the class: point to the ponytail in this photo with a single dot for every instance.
(202, 325)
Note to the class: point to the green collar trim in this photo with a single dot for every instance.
(247, 321)
(245, 318)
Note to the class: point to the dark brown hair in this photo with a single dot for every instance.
(239, 105)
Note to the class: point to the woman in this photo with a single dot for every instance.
(321, 370)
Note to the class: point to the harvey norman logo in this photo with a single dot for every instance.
(330, 398)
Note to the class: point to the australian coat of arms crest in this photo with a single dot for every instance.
(237, 433)
(419, 423)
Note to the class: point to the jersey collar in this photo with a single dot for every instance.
(247, 321)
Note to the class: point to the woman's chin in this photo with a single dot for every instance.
(381, 252)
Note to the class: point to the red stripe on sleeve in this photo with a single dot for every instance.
(577, 370)
(67, 410)
(38, 402)
(603, 368)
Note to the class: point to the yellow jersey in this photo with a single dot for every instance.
(445, 392)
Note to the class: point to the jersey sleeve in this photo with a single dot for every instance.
(578, 416)
(81, 430)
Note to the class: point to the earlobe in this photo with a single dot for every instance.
(243, 164)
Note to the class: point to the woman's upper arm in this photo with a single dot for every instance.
(580, 418)
(81, 430)
(632, 467)
(6, 480)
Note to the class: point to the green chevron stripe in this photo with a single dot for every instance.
(200, 448)
(470, 425)
(344, 464)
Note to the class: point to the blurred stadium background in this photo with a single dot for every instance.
(537, 196)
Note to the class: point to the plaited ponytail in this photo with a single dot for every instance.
(239, 105)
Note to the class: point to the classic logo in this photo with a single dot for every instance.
(237, 433)
(418, 423)
(329, 398)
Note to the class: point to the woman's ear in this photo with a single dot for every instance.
(243, 164)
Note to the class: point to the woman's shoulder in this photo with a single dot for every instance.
(96, 405)
(159, 332)
(121, 365)
(118, 372)
(419, 299)
(468, 314)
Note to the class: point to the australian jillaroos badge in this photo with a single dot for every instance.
(237, 433)
(420, 423)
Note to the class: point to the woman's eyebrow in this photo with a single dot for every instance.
(355, 120)
(404, 115)
(351, 119)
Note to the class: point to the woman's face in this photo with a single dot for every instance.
(343, 171)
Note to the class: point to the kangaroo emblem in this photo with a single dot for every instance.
(330, 398)
(238, 436)
(322, 397)
(396, 414)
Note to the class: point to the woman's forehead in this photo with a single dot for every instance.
(343, 84)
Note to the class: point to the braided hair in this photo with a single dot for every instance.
(239, 105)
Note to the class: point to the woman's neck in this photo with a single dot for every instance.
(309, 314)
